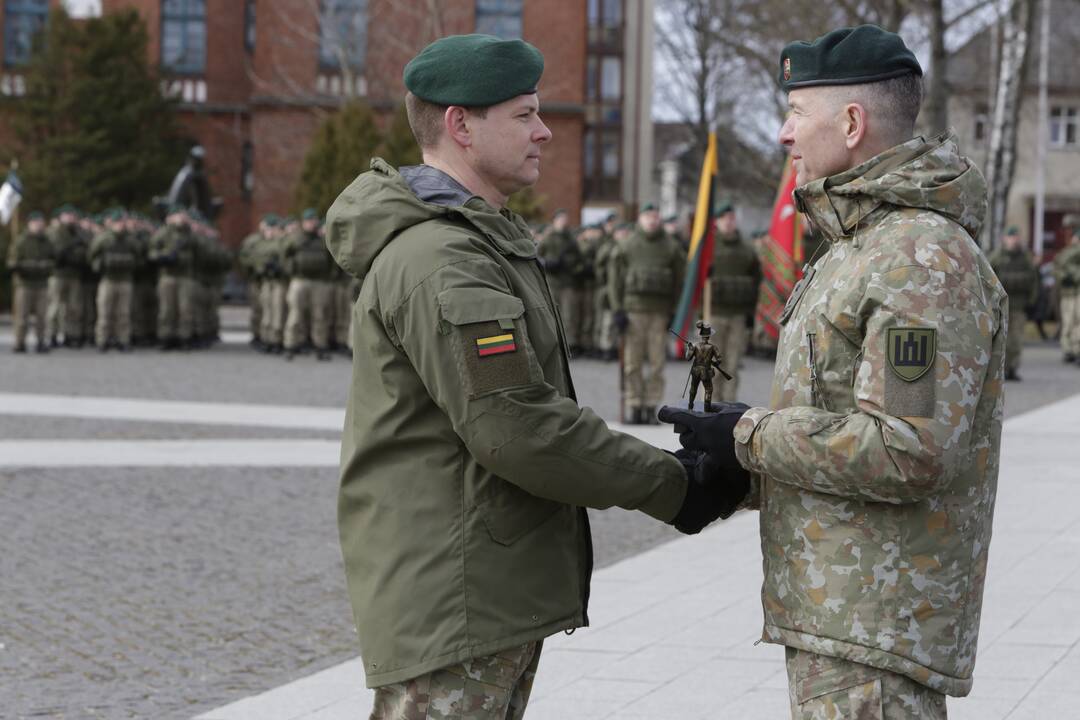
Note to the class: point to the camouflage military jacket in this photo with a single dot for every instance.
(1067, 269)
(877, 461)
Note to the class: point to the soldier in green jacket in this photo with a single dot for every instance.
(603, 330)
(310, 297)
(566, 270)
(644, 280)
(269, 263)
(172, 250)
(113, 256)
(144, 306)
(875, 466)
(735, 278)
(1067, 276)
(31, 259)
(1016, 270)
(467, 464)
(247, 262)
(66, 297)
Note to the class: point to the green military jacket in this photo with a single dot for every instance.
(877, 461)
(1018, 275)
(465, 461)
(32, 258)
(172, 249)
(247, 256)
(735, 276)
(645, 274)
(605, 246)
(71, 249)
(564, 259)
(113, 255)
(305, 256)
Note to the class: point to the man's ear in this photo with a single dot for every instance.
(456, 125)
(853, 123)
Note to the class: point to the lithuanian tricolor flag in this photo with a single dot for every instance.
(495, 345)
(700, 256)
(781, 257)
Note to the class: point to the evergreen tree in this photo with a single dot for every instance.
(341, 149)
(528, 204)
(93, 127)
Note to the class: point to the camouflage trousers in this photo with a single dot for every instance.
(1014, 342)
(254, 292)
(272, 295)
(113, 312)
(31, 300)
(644, 355)
(493, 687)
(65, 314)
(729, 334)
(1070, 323)
(829, 688)
(176, 300)
(310, 311)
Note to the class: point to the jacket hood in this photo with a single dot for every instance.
(379, 205)
(921, 174)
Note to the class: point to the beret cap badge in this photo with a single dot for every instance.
(787, 68)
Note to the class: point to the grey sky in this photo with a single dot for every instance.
(83, 8)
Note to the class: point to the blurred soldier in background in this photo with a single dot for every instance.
(645, 279)
(172, 249)
(565, 266)
(90, 226)
(113, 256)
(603, 340)
(1016, 270)
(310, 268)
(66, 304)
(144, 285)
(1067, 274)
(589, 242)
(248, 264)
(270, 266)
(735, 279)
(31, 259)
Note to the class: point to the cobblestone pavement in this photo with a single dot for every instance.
(161, 593)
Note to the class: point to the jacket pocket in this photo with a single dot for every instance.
(510, 513)
(834, 363)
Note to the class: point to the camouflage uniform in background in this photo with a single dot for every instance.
(113, 256)
(1067, 274)
(89, 283)
(144, 306)
(310, 296)
(270, 265)
(66, 303)
(736, 279)
(249, 267)
(1018, 275)
(31, 259)
(496, 685)
(603, 335)
(875, 468)
(172, 249)
(212, 263)
(565, 265)
(645, 278)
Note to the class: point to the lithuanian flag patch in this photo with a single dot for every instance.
(496, 345)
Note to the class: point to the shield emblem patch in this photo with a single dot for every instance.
(910, 351)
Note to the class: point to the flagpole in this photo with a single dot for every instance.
(15, 212)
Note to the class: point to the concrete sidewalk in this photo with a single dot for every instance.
(674, 628)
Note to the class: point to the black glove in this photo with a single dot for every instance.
(621, 321)
(711, 492)
(712, 433)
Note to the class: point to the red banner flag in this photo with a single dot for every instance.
(781, 257)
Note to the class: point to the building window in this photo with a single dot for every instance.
(247, 169)
(249, 25)
(22, 21)
(183, 36)
(501, 18)
(343, 34)
(982, 121)
(605, 18)
(1063, 124)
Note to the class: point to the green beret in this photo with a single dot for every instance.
(35, 215)
(648, 207)
(310, 214)
(848, 56)
(723, 208)
(474, 70)
(115, 213)
(670, 219)
(271, 219)
(1013, 230)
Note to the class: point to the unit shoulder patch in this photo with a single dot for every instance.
(910, 351)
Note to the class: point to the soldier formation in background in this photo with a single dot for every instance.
(1015, 268)
(120, 280)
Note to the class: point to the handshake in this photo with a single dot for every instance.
(716, 482)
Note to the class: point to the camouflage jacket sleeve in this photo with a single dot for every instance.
(616, 273)
(466, 336)
(904, 441)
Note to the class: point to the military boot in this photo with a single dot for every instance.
(19, 349)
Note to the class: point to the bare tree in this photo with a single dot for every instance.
(1017, 24)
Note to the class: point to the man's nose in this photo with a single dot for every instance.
(787, 133)
(543, 133)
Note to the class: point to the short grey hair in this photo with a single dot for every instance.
(892, 104)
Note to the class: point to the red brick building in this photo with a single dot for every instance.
(255, 77)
